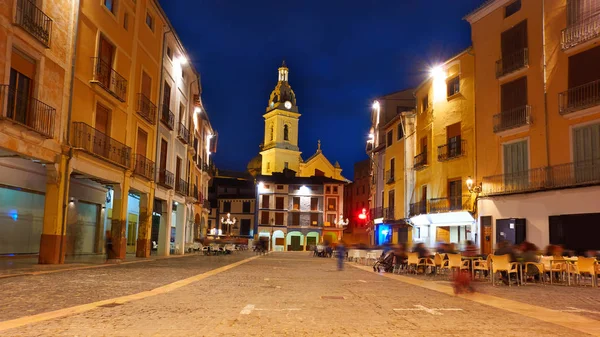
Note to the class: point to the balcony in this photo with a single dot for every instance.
(376, 212)
(98, 144)
(146, 109)
(27, 111)
(34, 21)
(586, 30)
(167, 117)
(208, 168)
(166, 179)
(389, 177)
(420, 161)
(513, 62)
(579, 98)
(417, 208)
(181, 186)
(109, 79)
(194, 192)
(512, 118)
(389, 213)
(183, 134)
(206, 204)
(449, 204)
(143, 166)
(453, 149)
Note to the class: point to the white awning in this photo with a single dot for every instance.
(462, 218)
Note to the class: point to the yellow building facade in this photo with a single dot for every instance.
(538, 120)
(444, 153)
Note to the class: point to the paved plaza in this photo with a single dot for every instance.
(281, 294)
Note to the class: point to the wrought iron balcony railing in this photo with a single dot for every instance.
(183, 133)
(97, 143)
(516, 182)
(181, 187)
(579, 98)
(449, 204)
(420, 161)
(109, 79)
(27, 111)
(580, 32)
(146, 109)
(389, 177)
(376, 212)
(143, 166)
(419, 207)
(453, 149)
(166, 178)
(575, 174)
(206, 204)
(194, 192)
(389, 213)
(512, 62)
(512, 118)
(167, 117)
(34, 21)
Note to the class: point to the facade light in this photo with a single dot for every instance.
(182, 60)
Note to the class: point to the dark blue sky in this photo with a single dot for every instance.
(341, 54)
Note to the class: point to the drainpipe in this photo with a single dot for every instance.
(66, 175)
(545, 74)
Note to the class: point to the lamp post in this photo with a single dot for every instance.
(340, 223)
(228, 221)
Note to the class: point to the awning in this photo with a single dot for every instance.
(443, 219)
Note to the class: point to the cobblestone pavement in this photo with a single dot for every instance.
(282, 294)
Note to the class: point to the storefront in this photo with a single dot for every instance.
(21, 221)
(450, 227)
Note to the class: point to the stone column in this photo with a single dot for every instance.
(180, 230)
(119, 218)
(52, 242)
(164, 233)
(143, 246)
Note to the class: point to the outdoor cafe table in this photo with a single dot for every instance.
(569, 261)
(471, 259)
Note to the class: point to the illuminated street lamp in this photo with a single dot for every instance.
(340, 223)
(229, 221)
(473, 189)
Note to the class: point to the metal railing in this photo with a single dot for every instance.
(183, 133)
(167, 117)
(419, 207)
(109, 79)
(34, 21)
(575, 174)
(181, 186)
(143, 166)
(146, 109)
(512, 118)
(580, 32)
(512, 62)
(389, 213)
(449, 204)
(389, 177)
(27, 111)
(194, 192)
(97, 143)
(376, 212)
(579, 97)
(166, 178)
(420, 160)
(452, 150)
(516, 182)
(206, 204)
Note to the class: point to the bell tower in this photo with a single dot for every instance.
(280, 149)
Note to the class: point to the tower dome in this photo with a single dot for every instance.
(283, 92)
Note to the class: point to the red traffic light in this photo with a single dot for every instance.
(363, 215)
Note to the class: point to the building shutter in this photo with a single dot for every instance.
(516, 157)
(586, 143)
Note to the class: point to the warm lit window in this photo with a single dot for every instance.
(150, 21)
(512, 8)
(453, 86)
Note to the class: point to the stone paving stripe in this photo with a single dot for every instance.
(433, 311)
(247, 309)
(565, 319)
(21, 321)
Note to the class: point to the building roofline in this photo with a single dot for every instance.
(480, 11)
(453, 58)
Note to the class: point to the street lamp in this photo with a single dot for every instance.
(473, 189)
(340, 223)
(229, 221)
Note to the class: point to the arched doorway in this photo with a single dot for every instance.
(197, 227)
(312, 239)
(295, 241)
(330, 237)
(278, 241)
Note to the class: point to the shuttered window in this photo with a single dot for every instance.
(279, 203)
(279, 219)
(583, 68)
(580, 10)
(514, 39)
(513, 94)
(265, 201)
(586, 143)
(516, 158)
(264, 218)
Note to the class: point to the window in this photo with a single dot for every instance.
(392, 169)
(286, 133)
(400, 131)
(512, 8)
(516, 165)
(314, 204)
(286, 165)
(328, 189)
(335, 189)
(424, 144)
(296, 203)
(330, 219)
(295, 219)
(390, 138)
(314, 219)
(227, 206)
(513, 41)
(169, 53)
(279, 203)
(126, 21)
(246, 207)
(453, 140)
(245, 227)
(279, 219)
(264, 218)
(453, 86)
(583, 70)
(265, 201)
(331, 204)
(150, 21)
(111, 5)
(513, 95)
(455, 194)
(268, 166)
(280, 187)
(425, 103)
(586, 153)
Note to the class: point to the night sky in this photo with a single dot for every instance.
(341, 55)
